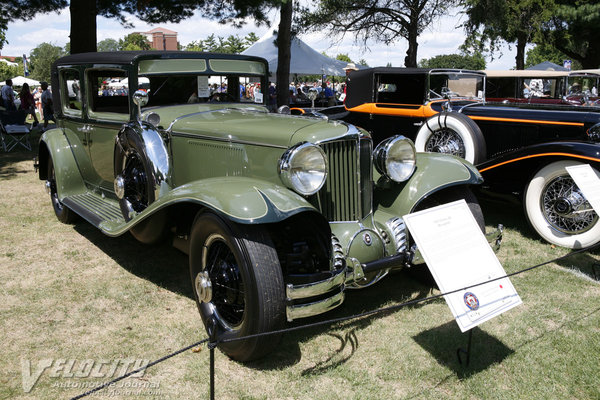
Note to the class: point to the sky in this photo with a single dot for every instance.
(442, 37)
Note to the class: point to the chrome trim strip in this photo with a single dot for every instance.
(294, 292)
(228, 140)
(316, 308)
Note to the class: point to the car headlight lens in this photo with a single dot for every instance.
(395, 158)
(303, 168)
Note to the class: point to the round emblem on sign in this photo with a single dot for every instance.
(367, 239)
(471, 301)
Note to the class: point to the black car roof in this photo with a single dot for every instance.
(128, 57)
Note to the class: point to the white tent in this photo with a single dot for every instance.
(20, 80)
(304, 60)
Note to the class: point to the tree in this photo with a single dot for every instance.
(574, 29)
(108, 45)
(379, 20)
(41, 60)
(510, 21)
(250, 39)
(547, 52)
(363, 62)
(344, 57)
(459, 61)
(134, 41)
(8, 71)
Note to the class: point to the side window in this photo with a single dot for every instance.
(400, 88)
(70, 88)
(108, 94)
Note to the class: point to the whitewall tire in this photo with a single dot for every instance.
(452, 133)
(558, 211)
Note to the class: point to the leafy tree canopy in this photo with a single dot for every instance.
(510, 21)
(134, 41)
(574, 29)
(218, 44)
(8, 71)
(41, 60)
(474, 62)
(108, 45)
(344, 57)
(383, 21)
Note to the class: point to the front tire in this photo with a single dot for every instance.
(238, 282)
(62, 212)
(452, 133)
(558, 211)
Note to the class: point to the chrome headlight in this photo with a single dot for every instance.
(303, 168)
(396, 158)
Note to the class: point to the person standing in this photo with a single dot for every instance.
(28, 103)
(47, 104)
(8, 96)
(38, 101)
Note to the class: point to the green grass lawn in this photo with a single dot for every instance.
(69, 292)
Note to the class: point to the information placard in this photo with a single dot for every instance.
(458, 255)
(588, 182)
(203, 88)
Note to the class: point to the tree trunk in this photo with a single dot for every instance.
(520, 58)
(410, 61)
(83, 26)
(284, 38)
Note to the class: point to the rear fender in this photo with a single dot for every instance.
(53, 143)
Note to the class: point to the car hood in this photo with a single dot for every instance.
(249, 124)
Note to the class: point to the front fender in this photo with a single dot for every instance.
(434, 172)
(243, 200)
(54, 144)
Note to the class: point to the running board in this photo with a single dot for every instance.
(95, 209)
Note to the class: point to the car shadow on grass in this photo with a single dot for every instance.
(161, 264)
(443, 343)
(340, 325)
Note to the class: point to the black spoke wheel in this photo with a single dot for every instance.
(63, 213)
(238, 283)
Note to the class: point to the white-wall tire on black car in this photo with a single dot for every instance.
(452, 133)
(558, 211)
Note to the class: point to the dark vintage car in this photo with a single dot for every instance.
(279, 214)
(543, 87)
(518, 148)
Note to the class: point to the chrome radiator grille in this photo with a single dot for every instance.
(340, 198)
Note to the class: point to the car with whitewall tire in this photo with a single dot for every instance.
(519, 148)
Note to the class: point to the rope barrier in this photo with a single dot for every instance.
(213, 343)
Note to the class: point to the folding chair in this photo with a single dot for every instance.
(13, 130)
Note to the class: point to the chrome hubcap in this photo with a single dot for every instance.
(446, 141)
(203, 287)
(565, 208)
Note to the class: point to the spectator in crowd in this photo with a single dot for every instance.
(328, 94)
(28, 103)
(47, 105)
(37, 96)
(8, 96)
(272, 97)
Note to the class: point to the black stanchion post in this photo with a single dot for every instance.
(212, 334)
(467, 352)
(595, 268)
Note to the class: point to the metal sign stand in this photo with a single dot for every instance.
(212, 333)
(467, 352)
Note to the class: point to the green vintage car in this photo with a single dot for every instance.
(279, 214)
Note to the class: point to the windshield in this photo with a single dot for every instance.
(170, 89)
(580, 84)
(442, 85)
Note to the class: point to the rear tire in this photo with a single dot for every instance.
(62, 212)
(238, 282)
(558, 211)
